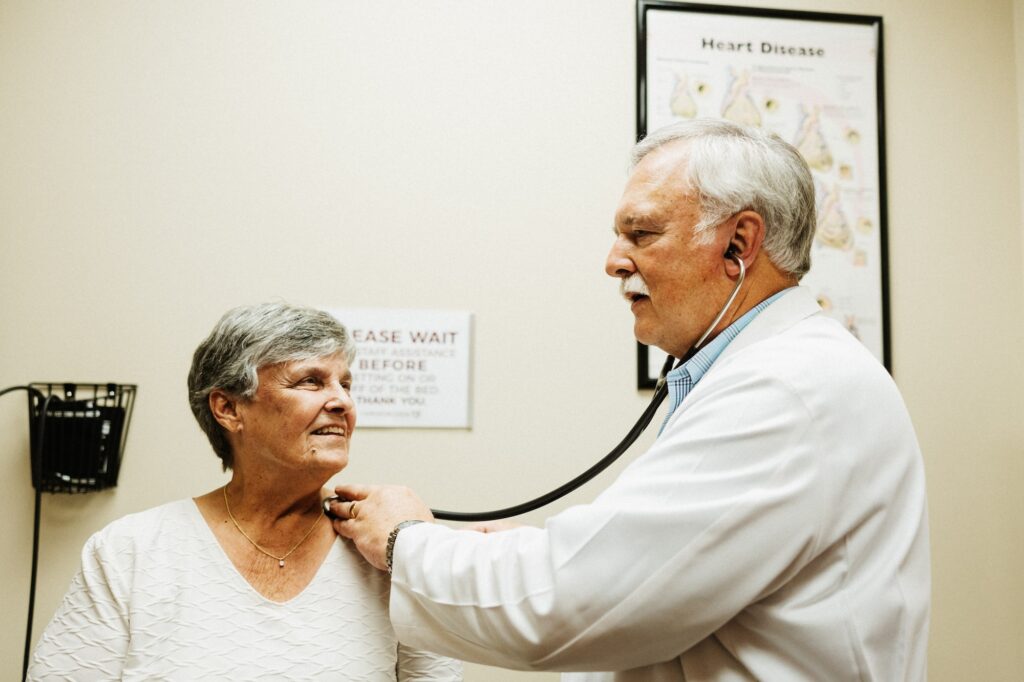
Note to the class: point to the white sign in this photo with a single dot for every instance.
(411, 368)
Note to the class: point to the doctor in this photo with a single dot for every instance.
(776, 529)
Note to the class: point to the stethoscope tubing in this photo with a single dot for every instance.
(568, 487)
(660, 391)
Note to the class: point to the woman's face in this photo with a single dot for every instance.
(301, 417)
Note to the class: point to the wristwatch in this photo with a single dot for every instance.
(389, 553)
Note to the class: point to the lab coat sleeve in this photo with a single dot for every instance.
(718, 513)
(88, 636)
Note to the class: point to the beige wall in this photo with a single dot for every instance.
(162, 161)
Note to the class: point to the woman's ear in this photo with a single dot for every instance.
(225, 410)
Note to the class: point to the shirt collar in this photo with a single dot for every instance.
(682, 379)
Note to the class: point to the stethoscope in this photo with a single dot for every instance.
(660, 392)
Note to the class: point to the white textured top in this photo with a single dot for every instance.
(157, 598)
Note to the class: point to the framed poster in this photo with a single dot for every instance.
(814, 79)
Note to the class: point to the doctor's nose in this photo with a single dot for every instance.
(618, 263)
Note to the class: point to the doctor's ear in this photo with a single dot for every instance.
(745, 241)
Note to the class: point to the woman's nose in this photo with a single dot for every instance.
(339, 400)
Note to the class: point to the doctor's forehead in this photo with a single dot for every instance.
(651, 201)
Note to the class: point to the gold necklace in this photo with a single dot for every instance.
(280, 559)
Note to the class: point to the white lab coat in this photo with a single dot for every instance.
(776, 530)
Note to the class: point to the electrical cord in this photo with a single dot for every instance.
(36, 461)
(645, 419)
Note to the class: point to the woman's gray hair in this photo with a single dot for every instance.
(734, 168)
(250, 337)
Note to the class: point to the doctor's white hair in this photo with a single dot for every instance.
(732, 168)
(250, 337)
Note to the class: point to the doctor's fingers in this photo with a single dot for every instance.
(354, 491)
(392, 503)
(367, 538)
(346, 528)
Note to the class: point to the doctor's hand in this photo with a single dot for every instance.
(368, 513)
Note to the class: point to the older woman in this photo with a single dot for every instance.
(249, 580)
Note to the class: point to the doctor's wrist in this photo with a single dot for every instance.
(389, 552)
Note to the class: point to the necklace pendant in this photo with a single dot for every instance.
(280, 563)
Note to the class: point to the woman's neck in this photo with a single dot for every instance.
(266, 502)
(271, 506)
(276, 540)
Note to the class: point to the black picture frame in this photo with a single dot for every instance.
(654, 15)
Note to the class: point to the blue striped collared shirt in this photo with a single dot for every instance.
(681, 380)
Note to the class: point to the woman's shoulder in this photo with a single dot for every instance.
(157, 523)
